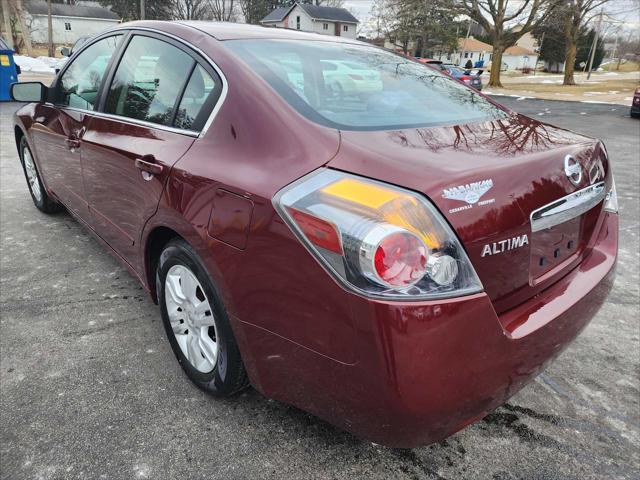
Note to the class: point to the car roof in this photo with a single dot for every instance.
(237, 31)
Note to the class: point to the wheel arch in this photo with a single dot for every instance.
(18, 134)
(160, 234)
(156, 241)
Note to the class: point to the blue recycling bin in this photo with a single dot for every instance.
(8, 71)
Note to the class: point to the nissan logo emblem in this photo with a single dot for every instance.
(572, 170)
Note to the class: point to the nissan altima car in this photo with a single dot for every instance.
(398, 263)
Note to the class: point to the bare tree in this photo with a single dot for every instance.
(395, 19)
(330, 3)
(18, 9)
(6, 21)
(497, 16)
(222, 10)
(576, 14)
(192, 10)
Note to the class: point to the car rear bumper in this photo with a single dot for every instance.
(635, 109)
(426, 370)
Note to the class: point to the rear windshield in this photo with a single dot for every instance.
(354, 87)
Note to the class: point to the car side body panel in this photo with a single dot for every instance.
(122, 197)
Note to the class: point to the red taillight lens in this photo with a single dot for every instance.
(355, 77)
(376, 239)
(400, 259)
(319, 232)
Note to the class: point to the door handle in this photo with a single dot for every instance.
(148, 166)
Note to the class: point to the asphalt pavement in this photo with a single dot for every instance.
(89, 387)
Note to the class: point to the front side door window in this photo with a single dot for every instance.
(80, 82)
(148, 81)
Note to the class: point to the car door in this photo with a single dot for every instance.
(59, 125)
(159, 97)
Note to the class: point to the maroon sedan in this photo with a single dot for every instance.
(398, 260)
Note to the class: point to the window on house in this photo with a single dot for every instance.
(325, 26)
(298, 22)
(345, 28)
(471, 55)
(466, 54)
(67, 26)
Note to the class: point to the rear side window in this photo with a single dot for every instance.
(196, 99)
(79, 84)
(357, 87)
(148, 81)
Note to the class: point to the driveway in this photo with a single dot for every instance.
(89, 388)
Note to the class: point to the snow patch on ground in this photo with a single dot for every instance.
(38, 65)
(596, 101)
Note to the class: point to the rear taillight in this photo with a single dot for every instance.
(611, 200)
(376, 239)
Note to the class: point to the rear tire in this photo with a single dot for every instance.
(196, 322)
(39, 195)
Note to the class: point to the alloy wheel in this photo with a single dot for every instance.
(191, 318)
(32, 175)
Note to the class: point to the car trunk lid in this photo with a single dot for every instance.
(487, 179)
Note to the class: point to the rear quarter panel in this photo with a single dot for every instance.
(256, 145)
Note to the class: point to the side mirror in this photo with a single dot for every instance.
(65, 51)
(28, 92)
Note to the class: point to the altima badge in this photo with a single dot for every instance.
(505, 245)
(572, 170)
(469, 193)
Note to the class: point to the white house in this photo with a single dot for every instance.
(513, 58)
(69, 22)
(468, 49)
(517, 58)
(312, 18)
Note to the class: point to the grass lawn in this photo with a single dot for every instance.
(624, 67)
(610, 86)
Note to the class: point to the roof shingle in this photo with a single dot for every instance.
(39, 7)
(333, 14)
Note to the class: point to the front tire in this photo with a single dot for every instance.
(196, 322)
(39, 195)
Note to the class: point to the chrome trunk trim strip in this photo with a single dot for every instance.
(567, 208)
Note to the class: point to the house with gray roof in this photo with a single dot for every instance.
(69, 22)
(313, 18)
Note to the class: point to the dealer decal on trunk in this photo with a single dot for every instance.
(469, 193)
(505, 245)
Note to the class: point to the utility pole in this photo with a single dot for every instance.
(142, 9)
(613, 52)
(594, 46)
(51, 51)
